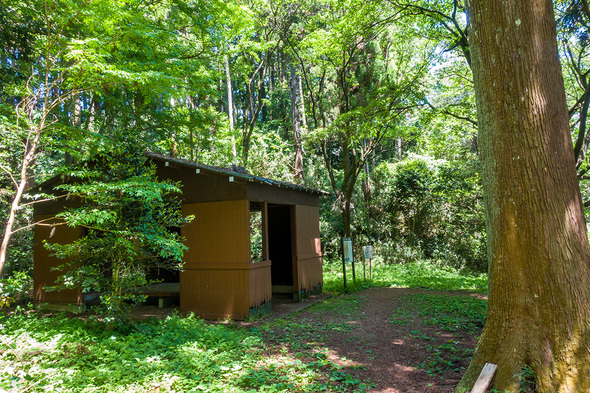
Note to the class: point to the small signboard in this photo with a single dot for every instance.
(368, 251)
(347, 249)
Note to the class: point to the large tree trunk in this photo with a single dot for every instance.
(539, 272)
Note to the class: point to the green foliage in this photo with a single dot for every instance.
(14, 288)
(432, 207)
(182, 354)
(527, 380)
(128, 217)
(61, 353)
(270, 157)
(450, 313)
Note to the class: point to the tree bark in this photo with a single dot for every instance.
(21, 186)
(302, 104)
(230, 107)
(538, 314)
(76, 122)
(230, 97)
(366, 185)
(296, 121)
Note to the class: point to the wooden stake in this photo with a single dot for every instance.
(485, 378)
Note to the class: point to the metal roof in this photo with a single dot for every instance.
(229, 172)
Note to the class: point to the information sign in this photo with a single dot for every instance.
(368, 251)
(347, 249)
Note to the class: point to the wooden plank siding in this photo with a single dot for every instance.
(219, 234)
(218, 281)
(260, 284)
(308, 251)
(280, 195)
(201, 187)
(42, 273)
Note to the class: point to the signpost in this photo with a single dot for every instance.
(347, 256)
(368, 254)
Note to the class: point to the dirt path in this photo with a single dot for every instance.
(386, 353)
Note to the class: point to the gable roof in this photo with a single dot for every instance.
(235, 174)
(209, 168)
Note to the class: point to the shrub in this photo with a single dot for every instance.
(127, 215)
(429, 208)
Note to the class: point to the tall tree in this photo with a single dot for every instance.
(127, 214)
(359, 86)
(296, 118)
(539, 257)
(134, 57)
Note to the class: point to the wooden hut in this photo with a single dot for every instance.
(251, 237)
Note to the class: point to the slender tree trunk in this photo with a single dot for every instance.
(366, 185)
(254, 103)
(230, 106)
(76, 121)
(21, 187)
(302, 110)
(582, 141)
(192, 108)
(91, 118)
(539, 258)
(230, 95)
(296, 118)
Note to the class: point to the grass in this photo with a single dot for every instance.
(418, 274)
(60, 353)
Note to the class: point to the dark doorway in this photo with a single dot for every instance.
(280, 248)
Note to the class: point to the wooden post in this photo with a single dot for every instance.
(485, 378)
(265, 254)
(343, 262)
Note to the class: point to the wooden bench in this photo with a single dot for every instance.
(166, 292)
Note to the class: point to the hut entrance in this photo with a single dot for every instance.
(280, 248)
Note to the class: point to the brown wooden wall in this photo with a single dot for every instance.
(260, 283)
(280, 195)
(218, 281)
(201, 187)
(42, 273)
(308, 250)
(219, 233)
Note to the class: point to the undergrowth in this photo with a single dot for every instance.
(60, 353)
(65, 354)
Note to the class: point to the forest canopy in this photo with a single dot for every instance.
(370, 100)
